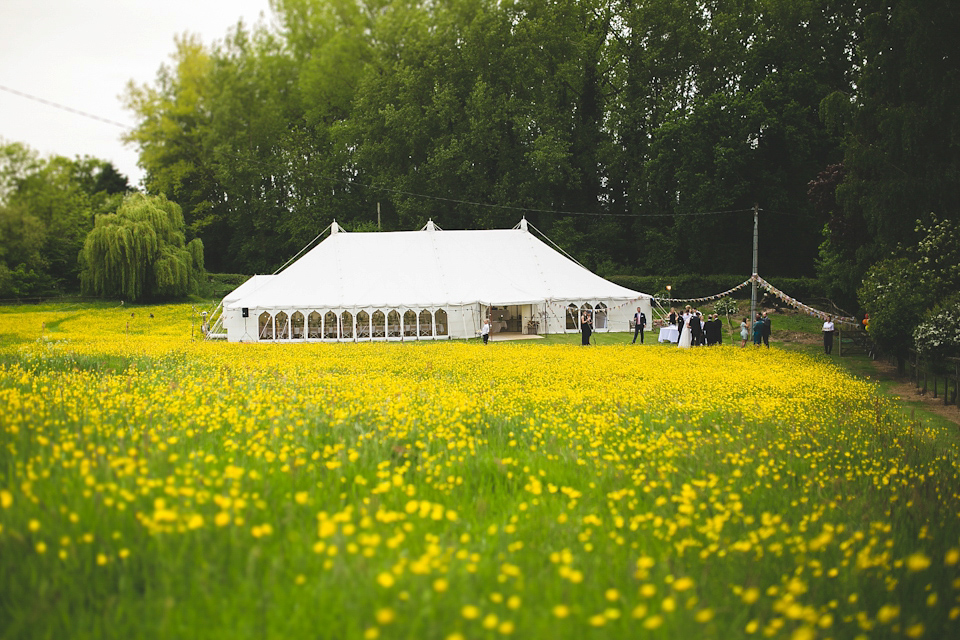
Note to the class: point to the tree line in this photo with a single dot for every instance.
(606, 123)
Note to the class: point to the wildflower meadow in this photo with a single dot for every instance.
(154, 485)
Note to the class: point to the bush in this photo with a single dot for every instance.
(938, 337)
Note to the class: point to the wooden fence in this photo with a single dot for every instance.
(944, 383)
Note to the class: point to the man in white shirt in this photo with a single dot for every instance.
(828, 330)
(485, 330)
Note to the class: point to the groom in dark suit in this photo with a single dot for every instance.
(696, 330)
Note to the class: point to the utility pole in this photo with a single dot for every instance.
(378, 216)
(753, 289)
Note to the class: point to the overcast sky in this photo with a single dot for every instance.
(81, 54)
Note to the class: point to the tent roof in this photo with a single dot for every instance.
(248, 287)
(428, 268)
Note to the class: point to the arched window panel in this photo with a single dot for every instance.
(283, 329)
(297, 326)
(600, 316)
(330, 328)
(393, 324)
(363, 324)
(346, 325)
(379, 324)
(426, 323)
(573, 317)
(410, 323)
(441, 319)
(314, 321)
(265, 326)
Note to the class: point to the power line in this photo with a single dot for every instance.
(424, 196)
(57, 105)
(531, 209)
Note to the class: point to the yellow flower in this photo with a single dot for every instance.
(951, 557)
(653, 622)
(385, 616)
(917, 561)
(6, 499)
(385, 579)
(887, 613)
(470, 612)
(683, 584)
(561, 611)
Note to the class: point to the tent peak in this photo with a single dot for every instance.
(430, 226)
(335, 228)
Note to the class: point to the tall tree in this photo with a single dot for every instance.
(139, 252)
(901, 129)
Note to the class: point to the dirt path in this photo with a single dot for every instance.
(907, 390)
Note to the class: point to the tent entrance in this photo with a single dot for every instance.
(515, 318)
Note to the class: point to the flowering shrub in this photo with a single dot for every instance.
(939, 336)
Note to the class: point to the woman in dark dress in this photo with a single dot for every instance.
(586, 328)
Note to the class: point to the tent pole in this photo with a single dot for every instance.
(753, 288)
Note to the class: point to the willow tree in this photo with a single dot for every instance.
(139, 252)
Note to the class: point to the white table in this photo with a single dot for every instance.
(496, 326)
(669, 334)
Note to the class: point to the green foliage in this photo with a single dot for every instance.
(139, 252)
(938, 256)
(46, 209)
(896, 296)
(342, 108)
(901, 154)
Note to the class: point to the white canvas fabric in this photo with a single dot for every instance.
(428, 269)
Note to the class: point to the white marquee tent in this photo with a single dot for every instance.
(425, 285)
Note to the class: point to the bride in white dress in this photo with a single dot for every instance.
(685, 337)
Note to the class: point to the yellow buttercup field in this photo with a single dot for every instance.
(157, 486)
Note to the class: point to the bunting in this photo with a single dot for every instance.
(793, 302)
(708, 298)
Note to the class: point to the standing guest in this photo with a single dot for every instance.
(758, 330)
(712, 330)
(673, 317)
(828, 329)
(586, 328)
(718, 328)
(485, 330)
(640, 319)
(744, 332)
(766, 330)
(696, 326)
